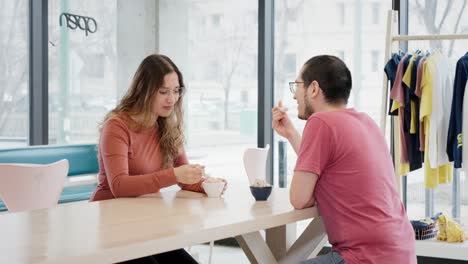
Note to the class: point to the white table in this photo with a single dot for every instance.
(441, 249)
(128, 228)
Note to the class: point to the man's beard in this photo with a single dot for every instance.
(308, 111)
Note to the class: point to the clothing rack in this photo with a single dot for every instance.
(392, 38)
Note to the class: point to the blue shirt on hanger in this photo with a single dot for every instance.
(390, 70)
(454, 139)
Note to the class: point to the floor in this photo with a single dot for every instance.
(231, 254)
(221, 254)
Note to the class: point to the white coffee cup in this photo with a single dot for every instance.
(213, 189)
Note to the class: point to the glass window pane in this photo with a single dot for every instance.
(438, 17)
(357, 37)
(89, 68)
(82, 72)
(14, 73)
(214, 43)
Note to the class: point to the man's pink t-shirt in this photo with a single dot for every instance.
(356, 190)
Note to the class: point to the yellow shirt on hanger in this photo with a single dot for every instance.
(443, 174)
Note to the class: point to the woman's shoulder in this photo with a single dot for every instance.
(115, 126)
(118, 120)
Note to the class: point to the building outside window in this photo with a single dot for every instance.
(83, 70)
(313, 37)
(376, 12)
(341, 12)
(14, 73)
(221, 102)
(375, 60)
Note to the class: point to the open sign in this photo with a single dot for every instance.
(88, 24)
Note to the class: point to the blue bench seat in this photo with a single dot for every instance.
(82, 159)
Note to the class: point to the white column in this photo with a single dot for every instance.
(174, 32)
(137, 35)
(174, 43)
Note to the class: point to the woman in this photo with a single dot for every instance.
(141, 143)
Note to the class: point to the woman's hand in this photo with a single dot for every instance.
(189, 173)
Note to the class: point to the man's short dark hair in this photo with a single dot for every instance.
(332, 75)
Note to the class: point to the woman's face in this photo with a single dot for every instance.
(167, 96)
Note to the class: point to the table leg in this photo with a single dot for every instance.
(280, 239)
(255, 248)
(312, 237)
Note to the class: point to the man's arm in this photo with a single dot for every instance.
(302, 189)
(295, 140)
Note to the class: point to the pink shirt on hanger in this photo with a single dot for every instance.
(397, 94)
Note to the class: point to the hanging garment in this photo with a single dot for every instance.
(415, 157)
(413, 97)
(418, 94)
(407, 107)
(442, 98)
(454, 139)
(442, 174)
(442, 91)
(391, 71)
(465, 130)
(397, 93)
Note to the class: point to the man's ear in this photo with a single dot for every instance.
(313, 90)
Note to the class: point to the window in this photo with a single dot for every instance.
(95, 65)
(211, 70)
(341, 54)
(314, 37)
(375, 63)
(221, 100)
(429, 17)
(14, 73)
(216, 20)
(89, 72)
(290, 63)
(376, 13)
(342, 12)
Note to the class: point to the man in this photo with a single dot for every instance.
(344, 167)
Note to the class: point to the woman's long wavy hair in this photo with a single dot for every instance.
(138, 102)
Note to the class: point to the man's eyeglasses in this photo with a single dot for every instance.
(292, 86)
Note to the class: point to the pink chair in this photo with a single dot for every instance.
(32, 186)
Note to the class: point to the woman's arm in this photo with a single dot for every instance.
(114, 146)
(197, 187)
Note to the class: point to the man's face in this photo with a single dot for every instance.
(304, 104)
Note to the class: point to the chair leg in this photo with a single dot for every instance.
(211, 251)
(193, 254)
